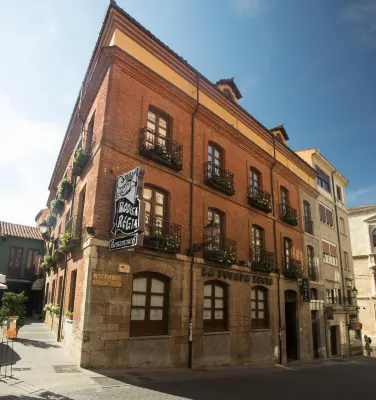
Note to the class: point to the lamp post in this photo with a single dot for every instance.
(211, 230)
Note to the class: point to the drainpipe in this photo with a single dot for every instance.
(190, 333)
(276, 257)
(340, 261)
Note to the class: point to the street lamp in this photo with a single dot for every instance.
(210, 230)
(43, 227)
(354, 292)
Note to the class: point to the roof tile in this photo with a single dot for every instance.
(22, 231)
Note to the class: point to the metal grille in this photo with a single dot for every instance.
(219, 178)
(260, 199)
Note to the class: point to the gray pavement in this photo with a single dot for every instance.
(38, 355)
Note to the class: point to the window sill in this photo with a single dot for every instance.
(261, 330)
(217, 333)
(150, 337)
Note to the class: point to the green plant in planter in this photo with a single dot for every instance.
(13, 304)
(69, 314)
(79, 152)
(47, 308)
(165, 242)
(50, 220)
(221, 181)
(68, 240)
(57, 206)
(46, 235)
(56, 256)
(176, 161)
(65, 188)
(225, 255)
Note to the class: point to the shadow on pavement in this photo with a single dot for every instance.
(37, 343)
(43, 395)
(7, 356)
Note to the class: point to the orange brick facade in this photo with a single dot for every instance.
(120, 92)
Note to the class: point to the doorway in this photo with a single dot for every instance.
(315, 336)
(291, 325)
(333, 340)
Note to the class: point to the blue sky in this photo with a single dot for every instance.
(307, 64)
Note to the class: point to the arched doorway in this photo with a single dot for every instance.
(291, 322)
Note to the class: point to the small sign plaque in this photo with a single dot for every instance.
(305, 290)
(108, 280)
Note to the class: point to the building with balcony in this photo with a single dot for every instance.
(333, 252)
(362, 224)
(218, 277)
(20, 247)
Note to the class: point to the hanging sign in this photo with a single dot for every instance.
(129, 214)
(305, 290)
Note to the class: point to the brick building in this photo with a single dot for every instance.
(238, 299)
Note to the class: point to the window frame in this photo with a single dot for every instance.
(323, 178)
(11, 268)
(258, 229)
(72, 290)
(222, 220)
(148, 327)
(159, 114)
(153, 203)
(326, 211)
(254, 172)
(374, 237)
(339, 191)
(212, 324)
(307, 211)
(314, 294)
(346, 260)
(260, 323)
(285, 196)
(216, 147)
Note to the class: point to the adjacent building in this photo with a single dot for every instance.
(362, 222)
(20, 247)
(335, 256)
(226, 214)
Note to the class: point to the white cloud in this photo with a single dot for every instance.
(251, 8)
(361, 197)
(361, 15)
(28, 151)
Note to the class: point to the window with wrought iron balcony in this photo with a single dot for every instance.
(288, 214)
(292, 268)
(257, 197)
(262, 260)
(308, 223)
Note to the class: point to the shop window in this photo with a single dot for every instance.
(15, 262)
(215, 306)
(259, 308)
(149, 311)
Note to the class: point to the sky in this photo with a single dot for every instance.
(307, 64)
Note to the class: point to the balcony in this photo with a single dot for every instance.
(219, 178)
(162, 235)
(262, 260)
(161, 149)
(260, 199)
(81, 158)
(308, 225)
(220, 249)
(288, 214)
(313, 273)
(292, 268)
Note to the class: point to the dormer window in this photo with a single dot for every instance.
(229, 89)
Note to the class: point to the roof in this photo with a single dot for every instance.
(21, 231)
(232, 84)
(282, 129)
(362, 208)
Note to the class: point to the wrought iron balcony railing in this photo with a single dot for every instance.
(308, 225)
(219, 178)
(80, 160)
(162, 235)
(262, 260)
(288, 214)
(260, 199)
(220, 249)
(161, 149)
(292, 268)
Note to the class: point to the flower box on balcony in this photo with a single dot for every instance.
(220, 250)
(219, 178)
(161, 149)
(81, 157)
(57, 206)
(65, 189)
(292, 269)
(69, 241)
(289, 215)
(259, 199)
(262, 260)
(162, 235)
(166, 243)
(50, 220)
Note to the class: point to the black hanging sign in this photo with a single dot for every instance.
(305, 290)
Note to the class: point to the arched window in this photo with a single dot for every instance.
(284, 196)
(314, 294)
(308, 224)
(258, 243)
(149, 311)
(288, 245)
(312, 273)
(159, 126)
(259, 308)
(215, 306)
(155, 210)
(374, 237)
(254, 181)
(215, 155)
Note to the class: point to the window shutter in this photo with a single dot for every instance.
(322, 213)
(329, 216)
(325, 248)
(333, 251)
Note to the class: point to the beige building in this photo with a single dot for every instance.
(362, 222)
(335, 256)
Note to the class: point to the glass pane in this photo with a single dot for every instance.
(261, 295)
(253, 304)
(159, 197)
(253, 294)
(159, 210)
(156, 301)
(207, 290)
(137, 314)
(147, 207)
(261, 314)
(207, 314)
(261, 305)
(157, 286)
(218, 291)
(217, 219)
(156, 315)
(139, 284)
(219, 303)
(162, 123)
(151, 116)
(151, 126)
(147, 194)
(139, 300)
(207, 303)
(253, 314)
(216, 153)
(162, 132)
(218, 314)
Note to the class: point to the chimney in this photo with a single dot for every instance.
(280, 133)
(229, 88)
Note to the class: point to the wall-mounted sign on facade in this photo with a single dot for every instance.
(129, 214)
(108, 280)
(236, 276)
(305, 290)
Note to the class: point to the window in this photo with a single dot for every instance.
(60, 290)
(323, 179)
(308, 224)
(333, 296)
(339, 193)
(342, 225)
(349, 292)
(15, 261)
(312, 273)
(81, 210)
(259, 308)
(314, 294)
(149, 312)
(374, 238)
(31, 261)
(257, 237)
(90, 132)
(284, 196)
(326, 215)
(255, 180)
(287, 251)
(215, 155)
(53, 291)
(218, 218)
(72, 291)
(330, 253)
(346, 260)
(155, 210)
(307, 210)
(215, 306)
(159, 126)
